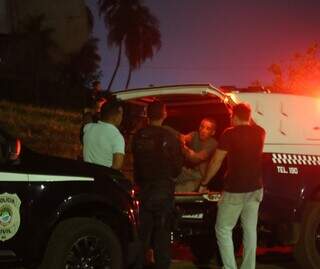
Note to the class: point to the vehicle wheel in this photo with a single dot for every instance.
(82, 243)
(307, 250)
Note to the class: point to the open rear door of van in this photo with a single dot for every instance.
(197, 89)
(187, 105)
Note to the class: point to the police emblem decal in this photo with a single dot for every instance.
(9, 215)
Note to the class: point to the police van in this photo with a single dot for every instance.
(290, 211)
(60, 213)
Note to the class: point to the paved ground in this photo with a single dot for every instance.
(272, 262)
(275, 258)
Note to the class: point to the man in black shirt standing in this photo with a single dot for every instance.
(243, 145)
(157, 160)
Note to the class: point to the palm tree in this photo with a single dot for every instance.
(90, 18)
(115, 12)
(124, 19)
(142, 39)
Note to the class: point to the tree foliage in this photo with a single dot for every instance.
(77, 74)
(35, 63)
(132, 26)
(301, 75)
(36, 77)
(143, 38)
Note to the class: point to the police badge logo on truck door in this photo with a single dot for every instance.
(9, 215)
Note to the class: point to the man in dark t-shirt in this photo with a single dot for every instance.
(157, 160)
(243, 145)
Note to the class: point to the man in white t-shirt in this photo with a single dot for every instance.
(103, 143)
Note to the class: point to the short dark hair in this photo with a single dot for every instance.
(242, 111)
(155, 110)
(110, 108)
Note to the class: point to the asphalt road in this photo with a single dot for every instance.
(275, 258)
(272, 258)
(269, 262)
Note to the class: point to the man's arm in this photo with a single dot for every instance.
(195, 157)
(117, 161)
(118, 153)
(202, 155)
(213, 168)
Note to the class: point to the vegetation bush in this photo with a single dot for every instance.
(49, 131)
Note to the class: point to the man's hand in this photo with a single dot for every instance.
(203, 189)
(185, 150)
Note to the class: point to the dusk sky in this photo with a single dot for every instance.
(222, 42)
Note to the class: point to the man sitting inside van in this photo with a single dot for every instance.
(197, 147)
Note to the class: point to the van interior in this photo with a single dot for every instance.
(185, 113)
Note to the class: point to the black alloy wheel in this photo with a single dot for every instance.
(88, 253)
(83, 243)
(307, 249)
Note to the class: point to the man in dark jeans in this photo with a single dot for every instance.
(157, 160)
(242, 192)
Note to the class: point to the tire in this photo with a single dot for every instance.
(78, 242)
(307, 250)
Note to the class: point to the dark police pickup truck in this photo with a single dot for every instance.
(57, 213)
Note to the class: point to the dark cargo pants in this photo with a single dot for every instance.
(156, 218)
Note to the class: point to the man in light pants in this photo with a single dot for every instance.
(243, 144)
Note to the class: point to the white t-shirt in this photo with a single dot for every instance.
(100, 141)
